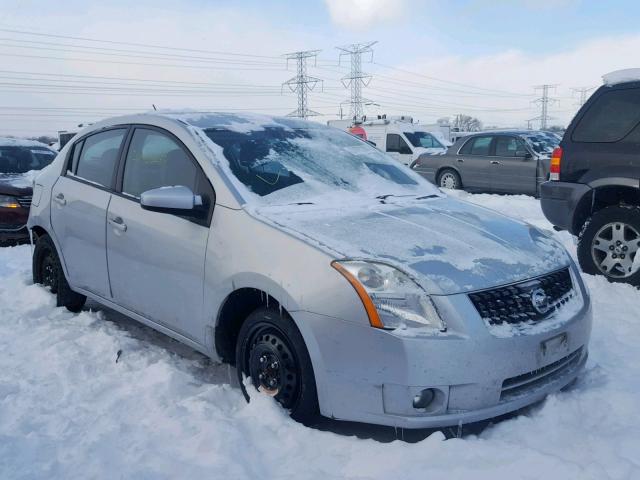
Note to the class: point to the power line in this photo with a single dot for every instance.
(145, 45)
(356, 79)
(302, 83)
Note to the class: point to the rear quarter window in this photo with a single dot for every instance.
(610, 118)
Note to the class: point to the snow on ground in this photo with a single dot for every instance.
(68, 410)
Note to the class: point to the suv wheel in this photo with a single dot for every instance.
(609, 242)
(271, 351)
(48, 272)
(449, 179)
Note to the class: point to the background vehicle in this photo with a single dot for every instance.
(222, 231)
(496, 161)
(398, 136)
(19, 159)
(594, 191)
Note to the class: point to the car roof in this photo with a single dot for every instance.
(239, 122)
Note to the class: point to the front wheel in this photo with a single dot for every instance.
(449, 179)
(609, 242)
(47, 271)
(271, 351)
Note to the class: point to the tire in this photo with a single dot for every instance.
(271, 351)
(47, 271)
(449, 178)
(609, 243)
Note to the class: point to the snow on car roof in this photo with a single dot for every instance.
(622, 76)
(238, 122)
(20, 142)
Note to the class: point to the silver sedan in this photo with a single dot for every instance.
(341, 283)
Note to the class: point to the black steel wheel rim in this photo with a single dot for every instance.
(273, 367)
(49, 271)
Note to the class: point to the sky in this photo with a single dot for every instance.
(72, 62)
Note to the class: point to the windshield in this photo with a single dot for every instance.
(15, 159)
(284, 164)
(423, 139)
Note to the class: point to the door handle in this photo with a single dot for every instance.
(495, 162)
(461, 160)
(116, 222)
(59, 199)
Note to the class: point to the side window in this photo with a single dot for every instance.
(77, 148)
(507, 146)
(99, 155)
(477, 146)
(155, 160)
(396, 144)
(610, 118)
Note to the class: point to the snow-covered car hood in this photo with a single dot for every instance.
(17, 181)
(449, 246)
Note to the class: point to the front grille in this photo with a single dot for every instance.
(515, 303)
(514, 386)
(25, 201)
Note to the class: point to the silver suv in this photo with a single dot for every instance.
(340, 282)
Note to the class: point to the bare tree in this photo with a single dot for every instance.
(467, 123)
(444, 121)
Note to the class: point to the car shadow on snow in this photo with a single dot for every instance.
(204, 370)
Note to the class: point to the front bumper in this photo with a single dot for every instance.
(559, 201)
(369, 375)
(13, 224)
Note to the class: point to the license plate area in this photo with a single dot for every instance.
(554, 347)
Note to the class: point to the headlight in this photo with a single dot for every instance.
(7, 201)
(391, 299)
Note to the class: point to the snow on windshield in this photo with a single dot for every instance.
(288, 161)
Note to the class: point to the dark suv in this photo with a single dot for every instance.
(594, 187)
(19, 160)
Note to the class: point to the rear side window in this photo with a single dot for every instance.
(155, 160)
(611, 117)
(99, 156)
(477, 146)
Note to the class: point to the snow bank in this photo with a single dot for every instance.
(68, 410)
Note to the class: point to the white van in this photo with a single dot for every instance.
(399, 136)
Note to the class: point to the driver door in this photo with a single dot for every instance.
(156, 260)
(515, 168)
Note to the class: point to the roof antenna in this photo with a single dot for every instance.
(154, 107)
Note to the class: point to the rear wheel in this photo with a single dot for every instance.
(609, 243)
(271, 351)
(48, 272)
(449, 179)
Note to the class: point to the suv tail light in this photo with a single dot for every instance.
(556, 158)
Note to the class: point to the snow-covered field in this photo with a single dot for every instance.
(69, 410)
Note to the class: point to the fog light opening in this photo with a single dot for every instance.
(424, 398)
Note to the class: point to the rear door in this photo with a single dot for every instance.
(156, 260)
(473, 161)
(398, 148)
(515, 169)
(80, 199)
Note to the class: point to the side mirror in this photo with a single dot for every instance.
(178, 199)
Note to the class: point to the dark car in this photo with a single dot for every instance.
(496, 161)
(19, 159)
(594, 191)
